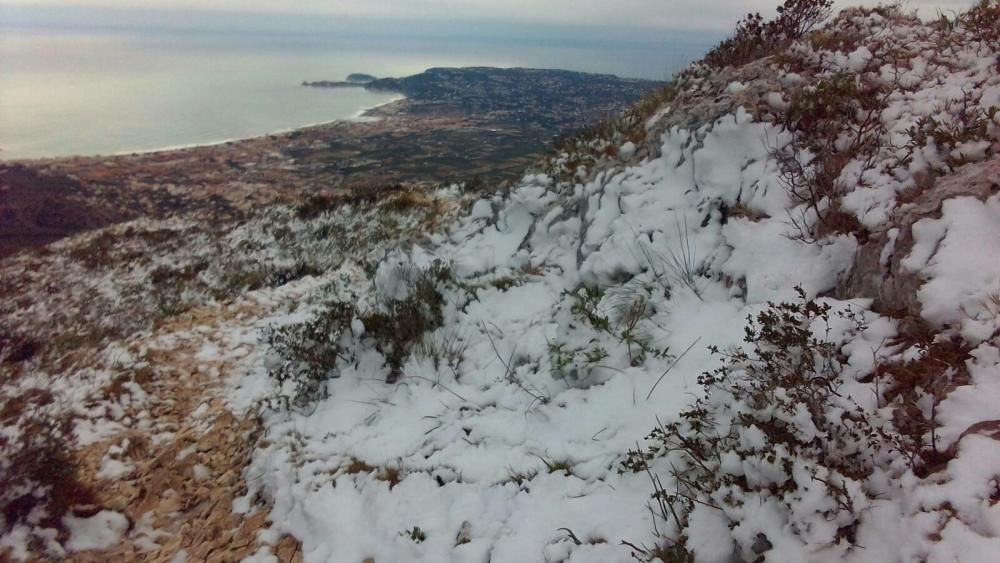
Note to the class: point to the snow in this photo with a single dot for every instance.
(113, 468)
(521, 439)
(99, 531)
(15, 542)
(735, 87)
(200, 472)
(510, 450)
(458, 437)
(962, 287)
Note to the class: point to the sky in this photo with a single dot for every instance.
(675, 15)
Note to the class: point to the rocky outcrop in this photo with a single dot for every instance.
(877, 271)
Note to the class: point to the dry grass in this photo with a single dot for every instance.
(743, 211)
(388, 474)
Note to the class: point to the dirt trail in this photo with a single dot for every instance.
(179, 497)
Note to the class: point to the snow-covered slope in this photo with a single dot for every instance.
(668, 341)
(578, 315)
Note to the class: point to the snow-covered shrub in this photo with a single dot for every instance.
(773, 430)
(307, 354)
(984, 20)
(400, 322)
(961, 136)
(834, 123)
(38, 479)
(928, 370)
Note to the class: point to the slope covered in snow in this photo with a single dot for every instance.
(754, 319)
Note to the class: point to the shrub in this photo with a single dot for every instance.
(837, 121)
(15, 348)
(36, 471)
(914, 387)
(984, 20)
(968, 124)
(772, 427)
(822, 110)
(756, 38)
(309, 352)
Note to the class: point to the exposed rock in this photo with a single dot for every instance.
(877, 272)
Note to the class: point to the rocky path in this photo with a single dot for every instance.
(180, 478)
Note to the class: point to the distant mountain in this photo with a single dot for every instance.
(353, 80)
(360, 78)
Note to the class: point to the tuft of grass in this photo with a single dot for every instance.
(415, 534)
(558, 465)
(520, 477)
(389, 474)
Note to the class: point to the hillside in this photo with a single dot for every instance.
(756, 317)
(471, 125)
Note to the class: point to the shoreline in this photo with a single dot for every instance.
(367, 114)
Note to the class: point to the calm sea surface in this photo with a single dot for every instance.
(66, 91)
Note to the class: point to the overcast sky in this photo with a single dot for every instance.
(718, 15)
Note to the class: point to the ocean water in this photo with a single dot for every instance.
(67, 91)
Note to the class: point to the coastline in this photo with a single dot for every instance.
(366, 114)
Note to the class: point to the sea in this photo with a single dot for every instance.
(95, 89)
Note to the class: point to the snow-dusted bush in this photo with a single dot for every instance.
(984, 20)
(38, 478)
(773, 433)
(309, 353)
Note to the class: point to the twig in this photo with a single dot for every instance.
(671, 366)
(509, 371)
(438, 384)
(571, 535)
